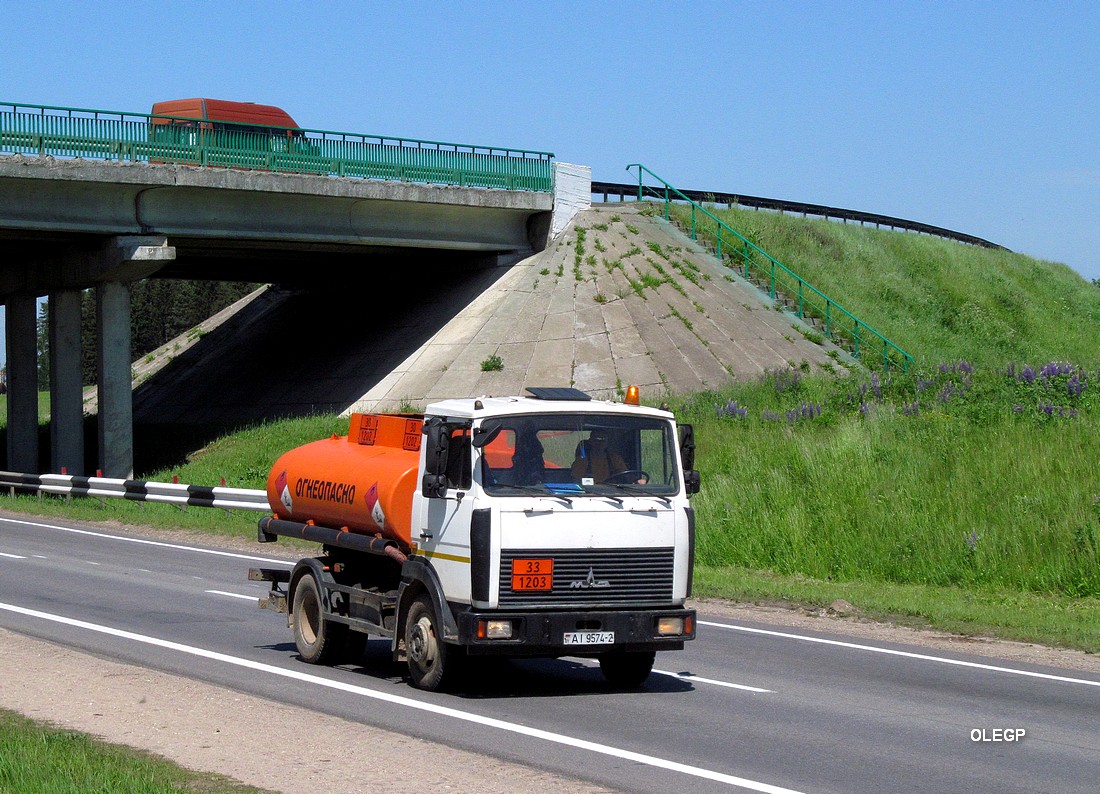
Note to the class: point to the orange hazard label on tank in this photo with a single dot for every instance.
(411, 441)
(375, 507)
(282, 489)
(368, 430)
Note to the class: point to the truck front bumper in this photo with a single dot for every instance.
(539, 633)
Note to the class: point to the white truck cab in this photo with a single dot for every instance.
(560, 525)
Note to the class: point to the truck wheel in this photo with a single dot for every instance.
(625, 670)
(431, 661)
(319, 641)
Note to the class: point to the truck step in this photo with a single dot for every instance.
(275, 601)
(268, 575)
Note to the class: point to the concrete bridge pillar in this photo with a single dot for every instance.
(116, 410)
(20, 322)
(66, 384)
(125, 260)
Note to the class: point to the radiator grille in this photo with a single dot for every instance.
(632, 576)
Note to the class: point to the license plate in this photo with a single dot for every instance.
(589, 638)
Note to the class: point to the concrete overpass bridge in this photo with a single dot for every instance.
(88, 200)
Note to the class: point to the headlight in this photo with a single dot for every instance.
(670, 627)
(494, 629)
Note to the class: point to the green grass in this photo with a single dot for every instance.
(37, 759)
(937, 299)
(941, 482)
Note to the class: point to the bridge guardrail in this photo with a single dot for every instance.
(838, 323)
(136, 490)
(41, 130)
(625, 190)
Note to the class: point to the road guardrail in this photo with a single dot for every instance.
(137, 490)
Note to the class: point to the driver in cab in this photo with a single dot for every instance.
(596, 462)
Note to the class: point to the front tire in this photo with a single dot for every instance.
(319, 641)
(431, 661)
(624, 670)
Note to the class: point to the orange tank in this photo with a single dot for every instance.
(363, 481)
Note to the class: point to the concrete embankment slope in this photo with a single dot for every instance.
(618, 298)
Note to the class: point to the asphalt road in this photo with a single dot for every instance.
(743, 707)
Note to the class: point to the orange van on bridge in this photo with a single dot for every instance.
(257, 117)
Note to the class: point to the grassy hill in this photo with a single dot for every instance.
(937, 299)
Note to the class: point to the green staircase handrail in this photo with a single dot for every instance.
(40, 130)
(830, 312)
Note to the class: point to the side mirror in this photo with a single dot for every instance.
(687, 447)
(436, 446)
(691, 481)
(434, 486)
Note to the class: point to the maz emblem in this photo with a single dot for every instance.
(590, 582)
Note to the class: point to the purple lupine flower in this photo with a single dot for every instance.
(912, 409)
(731, 410)
(1017, 409)
(804, 411)
(1056, 368)
(1027, 374)
(769, 416)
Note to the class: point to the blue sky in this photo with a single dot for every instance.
(983, 117)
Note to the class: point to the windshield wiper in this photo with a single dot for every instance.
(541, 490)
(631, 488)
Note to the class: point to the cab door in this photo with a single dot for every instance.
(443, 525)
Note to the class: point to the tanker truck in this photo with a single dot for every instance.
(546, 525)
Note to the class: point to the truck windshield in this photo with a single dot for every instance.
(581, 455)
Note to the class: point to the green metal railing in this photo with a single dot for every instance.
(839, 325)
(135, 137)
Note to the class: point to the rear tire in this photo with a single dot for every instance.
(431, 661)
(626, 670)
(319, 641)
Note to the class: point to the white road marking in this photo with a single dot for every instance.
(232, 595)
(92, 563)
(907, 654)
(400, 700)
(701, 680)
(161, 544)
(13, 556)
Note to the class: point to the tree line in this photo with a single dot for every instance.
(160, 310)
